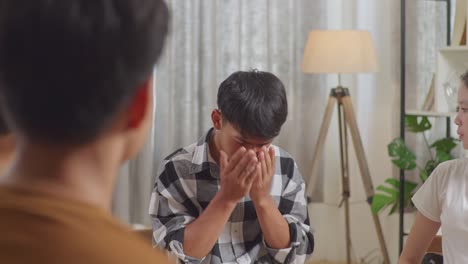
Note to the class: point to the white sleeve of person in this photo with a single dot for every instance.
(428, 199)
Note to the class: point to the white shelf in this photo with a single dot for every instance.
(430, 113)
(454, 49)
(452, 62)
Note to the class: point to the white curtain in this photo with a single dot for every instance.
(210, 39)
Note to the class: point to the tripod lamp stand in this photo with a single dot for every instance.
(343, 51)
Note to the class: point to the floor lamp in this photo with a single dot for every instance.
(343, 51)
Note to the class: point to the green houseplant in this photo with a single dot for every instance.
(388, 194)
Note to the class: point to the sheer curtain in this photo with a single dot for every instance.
(210, 39)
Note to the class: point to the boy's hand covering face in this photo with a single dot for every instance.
(237, 174)
(261, 186)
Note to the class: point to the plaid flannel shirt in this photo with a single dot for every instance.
(187, 182)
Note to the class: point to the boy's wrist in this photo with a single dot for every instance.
(222, 200)
(263, 202)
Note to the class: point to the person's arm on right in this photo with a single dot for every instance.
(428, 201)
(237, 176)
(420, 237)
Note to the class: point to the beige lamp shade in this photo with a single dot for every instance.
(339, 51)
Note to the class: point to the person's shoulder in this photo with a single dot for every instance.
(286, 164)
(451, 172)
(123, 248)
(179, 159)
(452, 166)
(181, 153)
(110, 241)
(77, 232)
(282, 153)
(127, 247)
(456, 168)
(177, 165)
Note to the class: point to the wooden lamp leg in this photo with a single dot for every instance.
(312, 179)
(364, 168)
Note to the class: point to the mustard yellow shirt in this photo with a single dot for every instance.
(39, 228)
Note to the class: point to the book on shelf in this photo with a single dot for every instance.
(428, 104)
(459, 24)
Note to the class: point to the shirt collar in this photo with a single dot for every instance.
(202, 159)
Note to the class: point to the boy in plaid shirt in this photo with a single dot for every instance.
(234, 197)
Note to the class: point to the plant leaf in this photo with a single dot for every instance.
(380, 201)
(401, 155)
(412, 124)
(391, 195)
(394, 207)
(442, 156)
(409, 188)
(430, 166)
(423, 175)
(391, 191)
(394, 182)
(445, 145)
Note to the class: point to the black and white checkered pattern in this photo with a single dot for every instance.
(189, 179)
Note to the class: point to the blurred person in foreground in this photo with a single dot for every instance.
(75, 88)
(7, 146)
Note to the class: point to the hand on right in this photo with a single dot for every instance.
(237, 174)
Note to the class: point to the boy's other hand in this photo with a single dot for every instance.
(237, 174)
(260, 190)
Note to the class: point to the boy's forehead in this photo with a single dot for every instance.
(239, 134)
(253, 139)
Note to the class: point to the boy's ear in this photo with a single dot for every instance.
(139, 105)
(217, 119)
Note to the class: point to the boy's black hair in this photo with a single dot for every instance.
(254, 102)
(67, 67)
